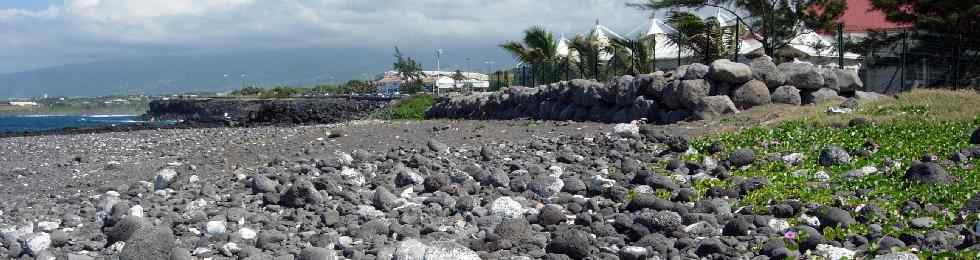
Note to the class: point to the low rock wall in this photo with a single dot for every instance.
(696, 91)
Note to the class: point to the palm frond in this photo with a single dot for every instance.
(517, 50)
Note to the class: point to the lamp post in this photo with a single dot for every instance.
(438, 60)
(489, 66)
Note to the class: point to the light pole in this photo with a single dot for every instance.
(489, 66)
(438, 60)
(489, 71)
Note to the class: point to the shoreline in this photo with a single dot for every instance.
(129, 127)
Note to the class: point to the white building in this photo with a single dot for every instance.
(389, 83)
(475, 85)
(23, 103)
(468, 75)
(389, 86)
(443, 83)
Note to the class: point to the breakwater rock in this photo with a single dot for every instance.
(696, 91)
(245, 112)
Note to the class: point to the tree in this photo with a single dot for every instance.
(951, 27)
(247, 91)
(774, 23)
(359, 86)
(631, 56)
(326, 89)
(283, 92)
(538, 49)
(586, 51)
(410, 71)
(458, 76)
(704, 39)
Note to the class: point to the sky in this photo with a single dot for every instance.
(37, 34)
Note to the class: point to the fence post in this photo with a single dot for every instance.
(840, 45)
(707, 45)
(737, 40)
(956, 61)
(679, 48)
(653, 61)
(568, 70)
(595, 66)
(905, 45)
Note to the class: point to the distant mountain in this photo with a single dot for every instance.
(175, 74)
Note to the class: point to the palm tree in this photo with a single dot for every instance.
(631, 56)
(538, 49)
(704, 39)
(458, 77)
(586, 51)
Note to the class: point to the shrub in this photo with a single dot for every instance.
(411, 108)
(247, 91)
(283, 92)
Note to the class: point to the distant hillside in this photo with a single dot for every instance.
(173, 74)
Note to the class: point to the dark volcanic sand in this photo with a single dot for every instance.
(49, 163)
(439, 187)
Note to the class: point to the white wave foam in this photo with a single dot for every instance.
(104, 116)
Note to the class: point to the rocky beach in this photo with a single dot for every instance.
(497, 130)
(416, 190)
(735, 169)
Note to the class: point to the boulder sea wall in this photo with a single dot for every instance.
(689, 92)
(250, 112)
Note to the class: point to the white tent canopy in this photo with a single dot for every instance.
(663, 47)
(603, 35)
(724, 19)
(562, 48)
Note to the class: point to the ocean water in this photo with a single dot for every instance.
(37, 123)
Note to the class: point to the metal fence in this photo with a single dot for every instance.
(903, 59)
(889, 61)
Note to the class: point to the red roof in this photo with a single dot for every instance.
(861, 16)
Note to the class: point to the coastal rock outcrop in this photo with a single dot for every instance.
(248, 112)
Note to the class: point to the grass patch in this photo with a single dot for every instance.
(924, 122)
(411, 108)
(935, 104)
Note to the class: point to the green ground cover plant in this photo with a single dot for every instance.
(897, 133)
(411, 108)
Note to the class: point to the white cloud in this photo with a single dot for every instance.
(86, 30)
